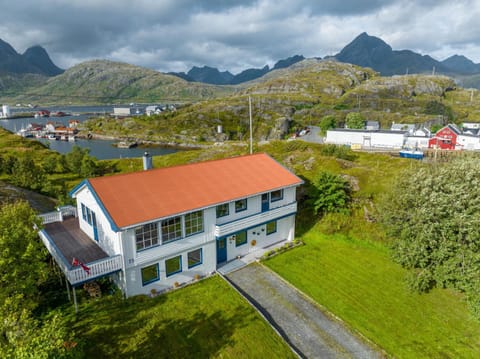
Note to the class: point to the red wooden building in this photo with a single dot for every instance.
(446, 138)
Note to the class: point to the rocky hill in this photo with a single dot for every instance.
(301, 95)
(102, 81)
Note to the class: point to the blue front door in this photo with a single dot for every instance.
(265, 202)
(94, 225)
(221, 250)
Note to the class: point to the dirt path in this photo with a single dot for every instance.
(300, 322)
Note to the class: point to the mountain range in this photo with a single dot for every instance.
(34, 60)
(364, 50)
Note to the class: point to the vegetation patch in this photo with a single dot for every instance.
(205, 320)
(358, 282)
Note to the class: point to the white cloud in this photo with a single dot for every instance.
(234, 35)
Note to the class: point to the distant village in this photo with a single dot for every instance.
(407, 136)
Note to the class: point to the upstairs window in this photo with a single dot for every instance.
(146, 236)
(223, 210)
(241, 205)
(171, 229)
(276, 195)
(193, 223)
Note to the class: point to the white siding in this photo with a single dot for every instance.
(285, 231)
(130, 279)
(417, 142)
(383, 139)
(108, 240)
(468, 142)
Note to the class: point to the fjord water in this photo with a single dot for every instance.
(101, 149)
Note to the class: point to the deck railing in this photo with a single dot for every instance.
(77, 274)
(96, 269)
(57, 216)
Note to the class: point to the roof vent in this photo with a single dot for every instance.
(147, 161)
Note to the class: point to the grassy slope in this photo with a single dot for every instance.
(358, 282)
(102, 81)
(204, 320)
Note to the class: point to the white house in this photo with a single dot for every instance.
(468, 142)
(122, 111)
(157, 228)
(367, 139)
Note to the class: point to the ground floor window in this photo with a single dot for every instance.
(150, 274)
(271, 227)
(240, 238)
(194, 258)
(173, 265)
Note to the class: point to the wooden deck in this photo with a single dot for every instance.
(72, 242)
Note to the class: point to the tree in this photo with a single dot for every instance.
(433, 214)
(23, 336)
(355, 120)
(27, 174)
(326, 123)
(333, 193)
(22, 256)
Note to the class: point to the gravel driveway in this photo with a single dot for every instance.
(301, 323)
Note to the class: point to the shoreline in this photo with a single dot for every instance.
(143, 143)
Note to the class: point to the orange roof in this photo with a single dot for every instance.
(140, 197)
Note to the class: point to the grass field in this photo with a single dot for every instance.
(358, 282)
(204, 320)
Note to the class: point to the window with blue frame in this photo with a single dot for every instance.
(240, 238)
(241, 205)
(173, 265)
(223, 210)
(271, 227)
(150, 274)
(195, 258)
(276, 195)
(84, 212)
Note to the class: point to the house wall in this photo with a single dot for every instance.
(471, 143)
(445, 139)
(130, 278)
(136, 260)
(394, 139)
(417, 142)
(254, 205)
(108, 239)
(285, 231)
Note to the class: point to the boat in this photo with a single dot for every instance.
(72, 138)
(124, 144)
(415, 154)
(52, 137)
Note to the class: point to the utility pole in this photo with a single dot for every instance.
(250, 115)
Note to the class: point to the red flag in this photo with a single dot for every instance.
(85, 268)
(76, 263)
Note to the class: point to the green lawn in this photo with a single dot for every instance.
(358, 282)
(204, 320)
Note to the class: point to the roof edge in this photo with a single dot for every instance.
(86, 183)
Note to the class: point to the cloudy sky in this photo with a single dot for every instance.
(174, 35)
